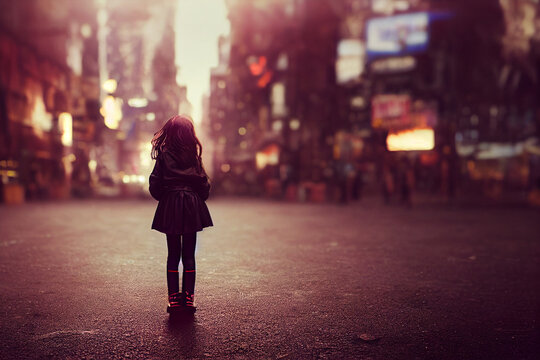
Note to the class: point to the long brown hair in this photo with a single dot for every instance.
(178, 136)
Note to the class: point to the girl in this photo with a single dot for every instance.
(181, 186)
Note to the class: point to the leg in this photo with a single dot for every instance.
(174, 247)
(188, 262)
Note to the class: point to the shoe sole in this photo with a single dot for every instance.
(181, 309)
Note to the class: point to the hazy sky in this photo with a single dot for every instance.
(198, 26)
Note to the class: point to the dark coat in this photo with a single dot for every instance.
(181, 190)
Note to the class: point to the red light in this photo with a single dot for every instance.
(258, 67)
(265, 79)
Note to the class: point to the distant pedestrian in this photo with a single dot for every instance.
(406, 180)
(180, 184)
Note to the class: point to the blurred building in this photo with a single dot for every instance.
(312, 100)
(272, 102)
(84, 85)
(49, 98)
(140, 63)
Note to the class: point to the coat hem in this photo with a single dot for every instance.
(182, 233)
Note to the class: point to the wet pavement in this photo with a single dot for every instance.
(86, 279)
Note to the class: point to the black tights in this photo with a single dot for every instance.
(181, 247)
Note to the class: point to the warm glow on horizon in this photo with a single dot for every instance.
(198, 26)
(410, 140)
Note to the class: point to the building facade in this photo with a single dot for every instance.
(49, 98)
(271, 105)
(317, 99)
(84, 85)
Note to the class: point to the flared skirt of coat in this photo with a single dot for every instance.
(181, 212)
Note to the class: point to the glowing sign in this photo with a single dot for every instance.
(410, 140)
(400, 34)
(390, 111)
(65, 122)
(350, 62)
(279, 107)
(393, 64)
(268, 156)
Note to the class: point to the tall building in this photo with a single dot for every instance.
(272, 103)
(139, 41)
(49, 98)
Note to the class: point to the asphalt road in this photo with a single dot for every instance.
(86, 280)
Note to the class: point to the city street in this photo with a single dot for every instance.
(275, 280)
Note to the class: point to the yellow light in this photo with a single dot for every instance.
(126, 179)
(92, 165)
(294, 124)
(409, 140)
(138, 102)
(65, 122)
(260, 161)
(225, 168)
(41, 119)
(86, 31)
(110, 86)
(112, 111)
(242, 131)
(277, 125)
(269, 156)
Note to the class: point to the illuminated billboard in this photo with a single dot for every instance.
(399, 111)
(390, 111)
(411, 140)
(400, 35)
(397, 35)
